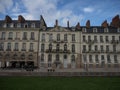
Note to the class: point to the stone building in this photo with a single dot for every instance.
(31, 42)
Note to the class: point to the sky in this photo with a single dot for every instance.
(63, 10)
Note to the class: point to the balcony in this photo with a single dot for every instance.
(17, 38)
(24, 38)
(114, 41)
(2, 38)
(16, 50)
(57, 51)
(60, 41)
(90, 42)
(31, 50)
(32, 38)
(23, 49)
(1, 49)
(10, 38)
(9, 49)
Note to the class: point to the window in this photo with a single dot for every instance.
(84, 30)
(96, 59)
(106, 38)
(89, 47)
(101, 38)
(9, 46)
(94, 29)
(26, 25)
(85, 58)
(1, 46)
(50, 37)
(57, 57)
(19, 25)
(65, 47)
(17, 35)
(73, 37)
(24, 47)
(49, 58)
(3, 36)
(114, 48)
(73, 58)
(106, 30)
(96, 48)
(31, 46)
(95, 38)
(84, 38)
(107, 48)
(16, 46)
(90, 58)
(115, 59)
(65, 56)
(50, 47)
(119, 38)
(108, 59)
(10, 35)
(33, 25)
(42, 57)
(113, 38)
(89, 38)
(101, 47)
(32, 36)
(24, 35)
(43, 37)
(42, 47)
(73, 48)
(65, 37)
(84, 48)
(57, 47)
(58, 37)
(102, 57)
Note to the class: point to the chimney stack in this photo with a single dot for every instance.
(68, 24)
(56, 23)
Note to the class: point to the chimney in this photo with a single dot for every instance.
(88, 24)
(56, 23)
(78, 26)
(68, 24)
(104, 24)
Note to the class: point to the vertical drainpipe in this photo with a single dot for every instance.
(38, 48)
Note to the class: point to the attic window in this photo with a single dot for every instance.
(83, 29)
(105, 29)
(18, 25)
(33, 25)
(94, 29)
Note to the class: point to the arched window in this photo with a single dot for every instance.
(57, 57)
(42, 57)
(50, 47)
(65, 47)
(49, 58)
(42, 47)
(73, 58)
(73, 48)
(57, 47)
(65, 56)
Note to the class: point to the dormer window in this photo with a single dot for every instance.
(26, 25)
(12, 25)
(105, 29)
(19, 25)
(95, 30)
(5, 25)
(83, 29)
(33, 25)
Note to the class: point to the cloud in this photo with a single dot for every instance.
(50, 11)
(88, 9)
(5, 5)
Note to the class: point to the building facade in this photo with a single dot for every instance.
(31, 42)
